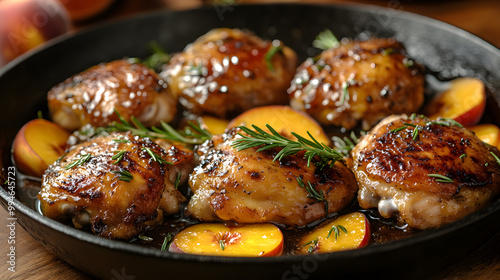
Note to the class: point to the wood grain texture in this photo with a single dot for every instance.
(478, 17)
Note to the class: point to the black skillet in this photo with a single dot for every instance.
(446, 51)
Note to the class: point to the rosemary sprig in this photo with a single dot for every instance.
(81, 160)
(167, 241)
(326, 40)
(270, 54)
(121, 140)
(177, 180)
(336, 230)
(445, 122)
(313, 193)
(496, 157)
(313, 244)
(346, 144)
(154, 156)
(312, 148)
(145, 238)
(222, 244)
(441, 178)
(124, 175)
(398, 129)
(463, 156)
(118, 156)
(159, 57)
(344, 96)
(195, 134)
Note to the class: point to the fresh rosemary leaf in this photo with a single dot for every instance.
(463, 156)
(222, 244)
(257, 137)
(415, 133)
(124, 175)
(313, 193)
(197, 135)
(398, 129)
(118, 156)
(81, 160)
(441, 178)
(155, 156)
(275, 48)
(121, 140)
(177, 180)
(167, 241)
(158, 58)
(344, 96)
(313, 244)
(145, 238)
(496, 157)
(336, 230)
(346, 144)
(326, 40)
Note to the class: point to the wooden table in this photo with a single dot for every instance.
(478, 17)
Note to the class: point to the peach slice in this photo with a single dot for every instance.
(256, 240)
(347, 232)
(213, 125)
(283, 119)
(464, 102)
(37, 144)
(488, 133)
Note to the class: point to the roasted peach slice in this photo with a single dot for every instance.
(38, 144)
(347, 232)
(488, 133)
(283, 119)
(213, 125)
(255, 240)
(464, 102)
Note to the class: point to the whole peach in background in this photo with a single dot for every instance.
(25, 24)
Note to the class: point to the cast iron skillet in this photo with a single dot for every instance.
(445, 50)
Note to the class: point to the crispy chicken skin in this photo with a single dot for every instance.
(225, 72)
(130, 88)
(95, 193)
(358, 81)
(394, 171)
(249, 187)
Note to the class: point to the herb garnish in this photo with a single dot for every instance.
(496, 157)
(270, 54)
(78, 161)
(463, 156)
(118, 156)
(312, 148)
(193, 134)
(121, 140)
(346, 144)
(326, 40)
(336, 230)
(124, 175)
(154, 156)
(222, 244)
(145, 238)
(313, 244)
(159, 57)
(166, 241)
(441, 178)
(344, 96)
(313, 193)
(177, 180)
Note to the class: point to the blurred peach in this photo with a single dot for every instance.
(25, 24)
(84, 9)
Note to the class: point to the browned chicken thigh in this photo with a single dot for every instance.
(118, 185)
(91, 96)
(426, 173)
(249, 187)
(228, 71)
(358, 81)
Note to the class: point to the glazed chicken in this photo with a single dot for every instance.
(249, 187)
(91, 96)
(116, 185)
(228, 71)
(358, 82)
(426, 173)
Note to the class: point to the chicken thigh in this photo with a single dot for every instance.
(92, 96)
(426, 173)
(358, 81)
(228, 71)
(249, 187)
(118, 185)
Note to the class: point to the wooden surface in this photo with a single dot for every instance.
(478, 17)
